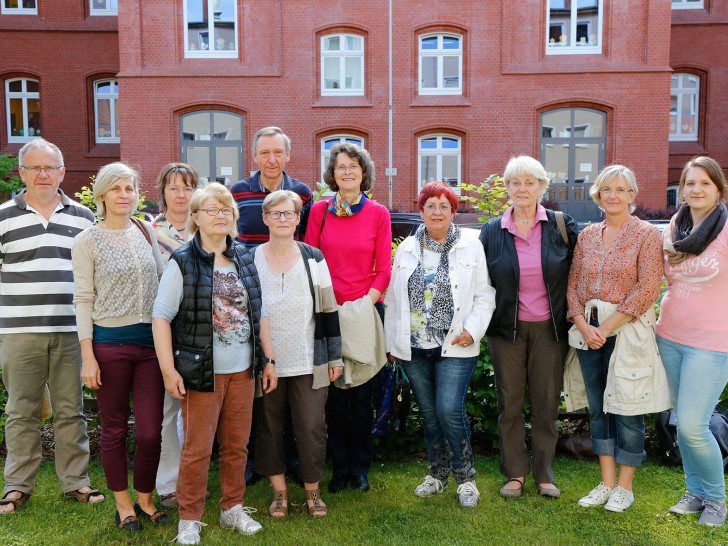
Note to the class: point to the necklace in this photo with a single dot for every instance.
(526, 221)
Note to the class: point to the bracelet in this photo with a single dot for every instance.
(270, 361)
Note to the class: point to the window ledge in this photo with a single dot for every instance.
(105, 150)
(682, 147)
(440, 100)
(342, 102)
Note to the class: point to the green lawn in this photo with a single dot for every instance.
(390, 514)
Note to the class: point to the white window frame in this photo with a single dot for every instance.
(103, 11)
(210, 53)
(672, 189)
(113, 99)
(439, 152)
(684, 4)
(19, 10)
(576, 49)
(24, 95)
(325, 153)
(440, 54)
(685, 94)
(342, 54)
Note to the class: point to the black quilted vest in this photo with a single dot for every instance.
(192, 327)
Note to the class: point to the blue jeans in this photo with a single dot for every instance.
(696, 378)
(622, 436)
(440, 385)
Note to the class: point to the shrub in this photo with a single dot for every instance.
(9, 182)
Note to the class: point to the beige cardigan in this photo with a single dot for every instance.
(636, 380)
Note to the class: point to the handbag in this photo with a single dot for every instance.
(401, 399)
(46, 408)
(190, 364)
(578, 444)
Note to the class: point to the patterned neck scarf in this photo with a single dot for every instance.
(339, 207)
(440, 317)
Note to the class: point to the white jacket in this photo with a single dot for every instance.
(473, 297)
(636, 380)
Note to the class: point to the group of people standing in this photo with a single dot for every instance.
(256, 293)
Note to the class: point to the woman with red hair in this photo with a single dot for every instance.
(438, 305)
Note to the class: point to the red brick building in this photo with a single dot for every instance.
(577, 85)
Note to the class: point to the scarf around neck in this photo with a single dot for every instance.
(440, 316)
(682, 238)
(339, 207)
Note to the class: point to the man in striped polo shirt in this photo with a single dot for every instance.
(271, 152)
(38, 338)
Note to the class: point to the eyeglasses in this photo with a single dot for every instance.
(619, 191)
(276, 214)
(35, 170)
(214, 211)
(351, 168)
(442, 208)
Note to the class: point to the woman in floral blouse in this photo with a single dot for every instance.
(617, 265)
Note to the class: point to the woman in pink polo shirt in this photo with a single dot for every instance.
(528, 250)
(354, 234)
(693, 331)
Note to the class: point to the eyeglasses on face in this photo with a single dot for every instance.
(35, 170)
(214, 211)
(275, 214)
(442, 208)
(351, 168)
(619, 191)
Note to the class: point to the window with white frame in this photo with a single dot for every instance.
(574, 27)
(22, 104)
(210, 29)
(684, 106)
(19, 7)
(104, 7)
(328, 142)
(441, 64)
(687, 4)
(342, 64)
(106, 111)
(438, 158)
(672, 200)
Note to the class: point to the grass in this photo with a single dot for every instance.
(390, 514)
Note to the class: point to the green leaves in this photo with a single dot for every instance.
(490, 199)
(9, 182)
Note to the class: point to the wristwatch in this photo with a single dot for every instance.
(270, 361)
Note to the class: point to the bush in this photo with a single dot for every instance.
(9, 182)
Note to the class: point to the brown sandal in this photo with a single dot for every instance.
(277, 506)
(85, 497)
(17, 503)
(317, 506)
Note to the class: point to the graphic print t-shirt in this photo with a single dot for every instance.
(231, 344)
(419, 337)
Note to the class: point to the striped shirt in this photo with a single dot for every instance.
(249, 195)
(36, 277)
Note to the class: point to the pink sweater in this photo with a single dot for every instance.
(693, 311)
(358, 248)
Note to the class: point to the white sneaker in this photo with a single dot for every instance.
(619, 500)
(468, 495)
(188, 531)
(238, 518)
(431, 486)
(596, 497)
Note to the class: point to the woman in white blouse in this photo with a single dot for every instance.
(302, 312)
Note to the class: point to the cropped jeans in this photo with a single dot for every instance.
(440, 385)
(696, 378)
(621, 436)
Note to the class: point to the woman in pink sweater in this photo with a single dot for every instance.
(355, 235)
(692, 332)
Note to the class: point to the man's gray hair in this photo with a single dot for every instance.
(270, 131)
(37, 144)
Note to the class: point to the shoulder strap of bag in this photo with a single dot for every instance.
(138, 223)
(326, 210)
(562, 225)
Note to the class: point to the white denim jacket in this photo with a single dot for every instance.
(473, 297)
(636, 380)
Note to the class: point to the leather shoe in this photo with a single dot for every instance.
(360, 482)
(338, 483)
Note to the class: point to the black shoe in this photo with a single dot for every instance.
(338, 483)
(157, 518)
(130, 523)
(360, 482)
